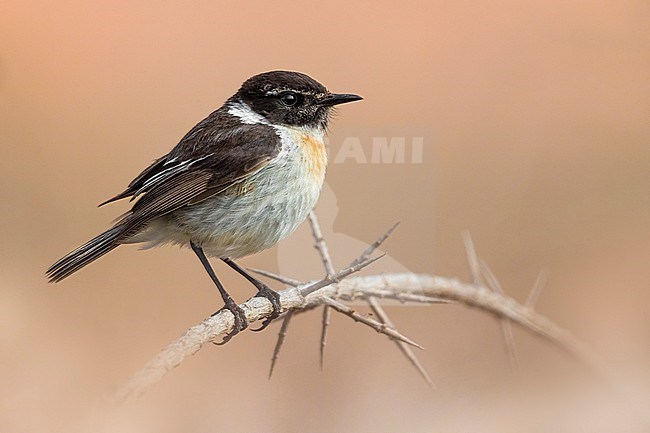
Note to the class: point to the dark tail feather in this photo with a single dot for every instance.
(88, 252)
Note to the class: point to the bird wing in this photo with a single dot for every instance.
(208, 160)
(138, 182)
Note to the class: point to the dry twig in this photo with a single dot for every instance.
(380, 327)
(482, 275)
(321, 246)
(506, 325)
(323, 251)
(419, 288)
(376, 244)
(540, 282)
(281, 278)
(406, 350)
(281, 336)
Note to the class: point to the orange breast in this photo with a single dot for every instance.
(314, 154)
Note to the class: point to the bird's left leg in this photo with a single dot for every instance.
(240, 316)
(263, 291)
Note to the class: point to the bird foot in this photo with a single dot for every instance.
(265, 291)
(241, 322)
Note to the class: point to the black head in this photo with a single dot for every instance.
(290, 98)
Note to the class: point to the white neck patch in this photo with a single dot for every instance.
(243, 112)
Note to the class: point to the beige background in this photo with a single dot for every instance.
(535, 123)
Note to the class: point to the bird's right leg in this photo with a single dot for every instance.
(240, 317)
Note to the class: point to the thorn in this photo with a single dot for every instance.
(509, 340)
(405, 349)
(277, 277)
(490, 278)
(323, 335)
(338, 276)
(472, 258)
(506, 324)
(377, 326)
(281, 336)
(320, 244)
(533, 296)
(371, 249)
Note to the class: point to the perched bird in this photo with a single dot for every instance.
(238, 182)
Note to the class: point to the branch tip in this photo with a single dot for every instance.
(472, 257)
(277, 277)
(404, 348)
(278, 344)
(376, 244)
(382, 328)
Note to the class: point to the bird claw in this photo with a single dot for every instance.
(241, 322)
(274, 299)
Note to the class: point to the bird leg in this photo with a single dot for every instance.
(263, 291)
(240, 317)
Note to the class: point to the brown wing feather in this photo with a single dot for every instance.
(217, 153)
(137, 183)
(214, 155)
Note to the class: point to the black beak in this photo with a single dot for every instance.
(337, 98)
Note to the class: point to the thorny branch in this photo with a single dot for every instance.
(481, 272)
(406, 350)
(335, 289)
(324, 253)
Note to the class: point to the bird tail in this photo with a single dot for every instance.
(85, 254)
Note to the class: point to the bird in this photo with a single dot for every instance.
(238, 182)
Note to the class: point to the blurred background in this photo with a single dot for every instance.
(534, 118)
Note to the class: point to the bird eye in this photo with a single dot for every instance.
(289, 99)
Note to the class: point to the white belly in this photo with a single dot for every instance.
(258, 212)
